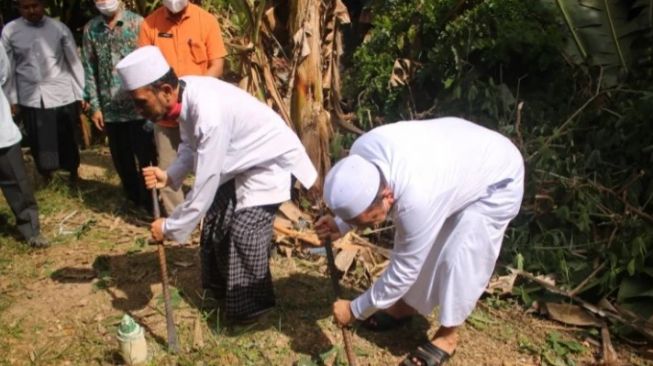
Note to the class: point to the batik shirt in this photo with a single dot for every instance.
(102, 49)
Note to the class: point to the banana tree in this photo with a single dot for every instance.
(608, 33)
(312, 122)
(306, 91)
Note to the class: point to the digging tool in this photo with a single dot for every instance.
(170, 324)
(346, 334)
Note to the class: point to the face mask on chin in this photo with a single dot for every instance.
(175, 6)
(108, 8)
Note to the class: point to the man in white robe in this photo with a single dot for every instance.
(242, 155)
(451, 187)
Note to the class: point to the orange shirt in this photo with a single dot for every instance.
(187, 40)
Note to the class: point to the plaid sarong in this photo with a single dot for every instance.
(235, 253)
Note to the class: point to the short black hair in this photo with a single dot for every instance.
(169, 78)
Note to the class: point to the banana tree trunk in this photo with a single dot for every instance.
(311, 121)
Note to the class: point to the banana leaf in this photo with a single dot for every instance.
(606, 33)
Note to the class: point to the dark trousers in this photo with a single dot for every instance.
(51, 137)
(18, 191)
(132, 148)
(235, 253)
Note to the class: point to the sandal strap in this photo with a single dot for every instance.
(428, 354)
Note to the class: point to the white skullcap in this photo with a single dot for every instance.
(142, 67)
(351, 186)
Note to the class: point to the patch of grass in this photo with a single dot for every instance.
(47, 268)
(480, 320)
(175, 300)
(556, 350)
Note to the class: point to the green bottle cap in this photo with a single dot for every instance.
(128, 325)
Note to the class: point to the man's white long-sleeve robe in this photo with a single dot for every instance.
(228, 134)
(456, 185)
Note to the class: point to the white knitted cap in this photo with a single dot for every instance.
(142, 67)
(351, 186)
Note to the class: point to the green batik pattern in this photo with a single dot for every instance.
(102, 49)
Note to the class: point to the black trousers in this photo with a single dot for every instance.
(51, 137)
(132, 148)
(18, 191)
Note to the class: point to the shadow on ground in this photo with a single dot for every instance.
(303, 299)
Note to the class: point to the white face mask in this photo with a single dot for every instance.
(175, 6)
(108, 7)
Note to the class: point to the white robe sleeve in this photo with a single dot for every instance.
(183, 164)
(343, 227)
(4, 65)
(9, 84)
(212, 145)
(417, 228)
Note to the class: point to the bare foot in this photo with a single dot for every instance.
(446, 339)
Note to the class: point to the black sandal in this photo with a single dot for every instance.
(427, 354)
(382, 322)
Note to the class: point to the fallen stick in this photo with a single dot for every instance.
(170, 323)
(609, 356)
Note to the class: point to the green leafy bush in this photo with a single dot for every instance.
(466, 53)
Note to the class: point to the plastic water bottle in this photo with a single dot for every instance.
(133, 347)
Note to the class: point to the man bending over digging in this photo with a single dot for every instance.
(451, 187)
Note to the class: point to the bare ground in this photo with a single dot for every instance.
(61, 306)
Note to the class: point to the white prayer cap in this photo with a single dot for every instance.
(142, 67)
(351, 186)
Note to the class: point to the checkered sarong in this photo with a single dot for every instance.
(235, 250)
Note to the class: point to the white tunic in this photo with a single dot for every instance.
(47, 70)
(228, 134)
(9, 132)
(456, 186)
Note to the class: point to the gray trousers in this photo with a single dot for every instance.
(18, 191)
(167, 141)
(51, 137)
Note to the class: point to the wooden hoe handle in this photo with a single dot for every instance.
(173, 347)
